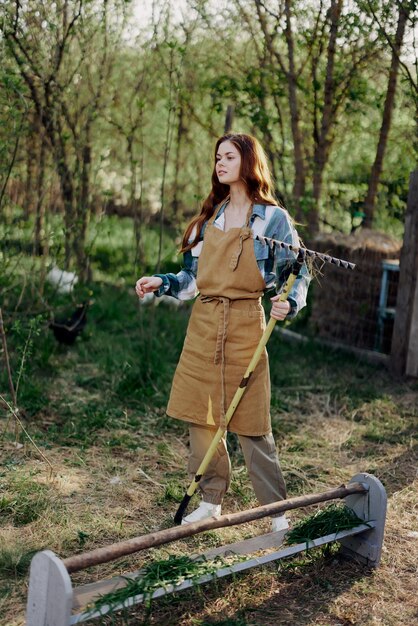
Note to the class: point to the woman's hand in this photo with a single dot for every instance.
(147, 284)
(280, 309)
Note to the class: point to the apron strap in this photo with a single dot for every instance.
(244, 233)
(217, 210)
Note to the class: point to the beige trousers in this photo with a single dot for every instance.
(261, 459)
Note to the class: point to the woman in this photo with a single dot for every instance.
(230, 269)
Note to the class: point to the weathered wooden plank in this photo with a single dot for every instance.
(248, 546)
(404, 349)
(85, 594)
(412, 356)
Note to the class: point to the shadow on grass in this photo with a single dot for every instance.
(306, 593)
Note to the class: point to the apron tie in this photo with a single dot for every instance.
(220, 347)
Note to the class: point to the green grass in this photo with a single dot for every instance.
(173, 492)
(326, 521)
(128, 384)
(23, 500)
(15, 562)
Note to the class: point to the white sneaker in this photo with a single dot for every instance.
(204, 510)
(279, 523)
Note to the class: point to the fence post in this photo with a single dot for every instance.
(404, 349)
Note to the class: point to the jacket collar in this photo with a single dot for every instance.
(259, 210)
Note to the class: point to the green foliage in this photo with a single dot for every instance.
(123, 120)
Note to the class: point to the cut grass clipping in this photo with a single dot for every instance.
(162, 573)
(176, 569)
(332, 519)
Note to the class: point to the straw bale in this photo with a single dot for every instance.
(345, 303)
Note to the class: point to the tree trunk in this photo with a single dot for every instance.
(229, 118)
(136, 205)
(83, 212)
(167, 147)
(31, 156)
(57, 139)
(268, 140)
(369, 204)
(299, 164)
(38, 247)
(322, 145)
(60, 156)
(281, 152)
(291, 78)
(181, 130)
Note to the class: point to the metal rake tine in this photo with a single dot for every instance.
(310, 253)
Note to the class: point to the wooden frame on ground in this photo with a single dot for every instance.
(52, 599)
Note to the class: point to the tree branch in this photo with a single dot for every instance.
(407, 9)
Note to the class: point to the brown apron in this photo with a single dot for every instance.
(225, 327)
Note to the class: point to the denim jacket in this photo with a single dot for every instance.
(268, 221)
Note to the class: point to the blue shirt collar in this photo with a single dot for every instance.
(259, 210)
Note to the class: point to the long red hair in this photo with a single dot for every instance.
(255, 174)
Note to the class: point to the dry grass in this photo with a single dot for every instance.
(105, 492)
(100, 495)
